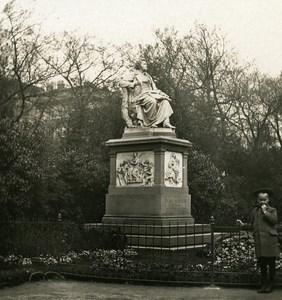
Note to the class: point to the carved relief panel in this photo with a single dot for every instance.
(135, 169)
(173, 169)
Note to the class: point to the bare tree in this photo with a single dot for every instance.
(22, 68)
(273, 98)
(82, 62)
(85, 67)
(252, 111)
(200, 71)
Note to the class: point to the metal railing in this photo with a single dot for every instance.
(178, 253)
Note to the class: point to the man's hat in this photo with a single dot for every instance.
(268, 191)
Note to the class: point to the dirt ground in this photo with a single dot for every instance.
(58, 290)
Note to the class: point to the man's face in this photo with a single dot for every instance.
(263, 198)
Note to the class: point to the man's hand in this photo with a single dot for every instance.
(239, 222)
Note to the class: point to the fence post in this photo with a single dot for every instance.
(212, 285)
(212, 251)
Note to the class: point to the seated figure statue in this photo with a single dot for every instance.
(152, 106)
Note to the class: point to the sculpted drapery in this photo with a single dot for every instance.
(152, 106)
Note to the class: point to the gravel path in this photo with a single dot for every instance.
(92, 290)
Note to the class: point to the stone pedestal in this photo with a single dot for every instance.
(148, 179)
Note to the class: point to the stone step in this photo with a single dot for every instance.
(168, 240)
(155, 230)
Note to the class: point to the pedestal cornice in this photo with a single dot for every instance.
(133, 136)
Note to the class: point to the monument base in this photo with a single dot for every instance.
(148, 220)
(161, 237)
(148, 181)
(148, 191)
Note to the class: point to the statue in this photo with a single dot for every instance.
(143, 104)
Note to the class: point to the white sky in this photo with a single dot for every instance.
(254, 27)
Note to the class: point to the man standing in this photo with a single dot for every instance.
(263, 222)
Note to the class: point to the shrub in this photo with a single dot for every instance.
(99, 237)
(236, 252)
(33, 239)
(20, 168)
(55, 239)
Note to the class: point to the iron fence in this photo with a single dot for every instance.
(173, 253)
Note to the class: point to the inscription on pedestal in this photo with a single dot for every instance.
(175, 206)
(173, 169)
(135, 169)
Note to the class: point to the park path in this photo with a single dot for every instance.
(75, 290)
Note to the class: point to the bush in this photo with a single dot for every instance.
(208, 190)
(20, 168)
(32, 239)
(55, 239)
(236, 252)
(96, 238)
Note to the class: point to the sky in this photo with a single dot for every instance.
(253, 27)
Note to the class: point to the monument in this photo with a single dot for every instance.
(148, 166)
